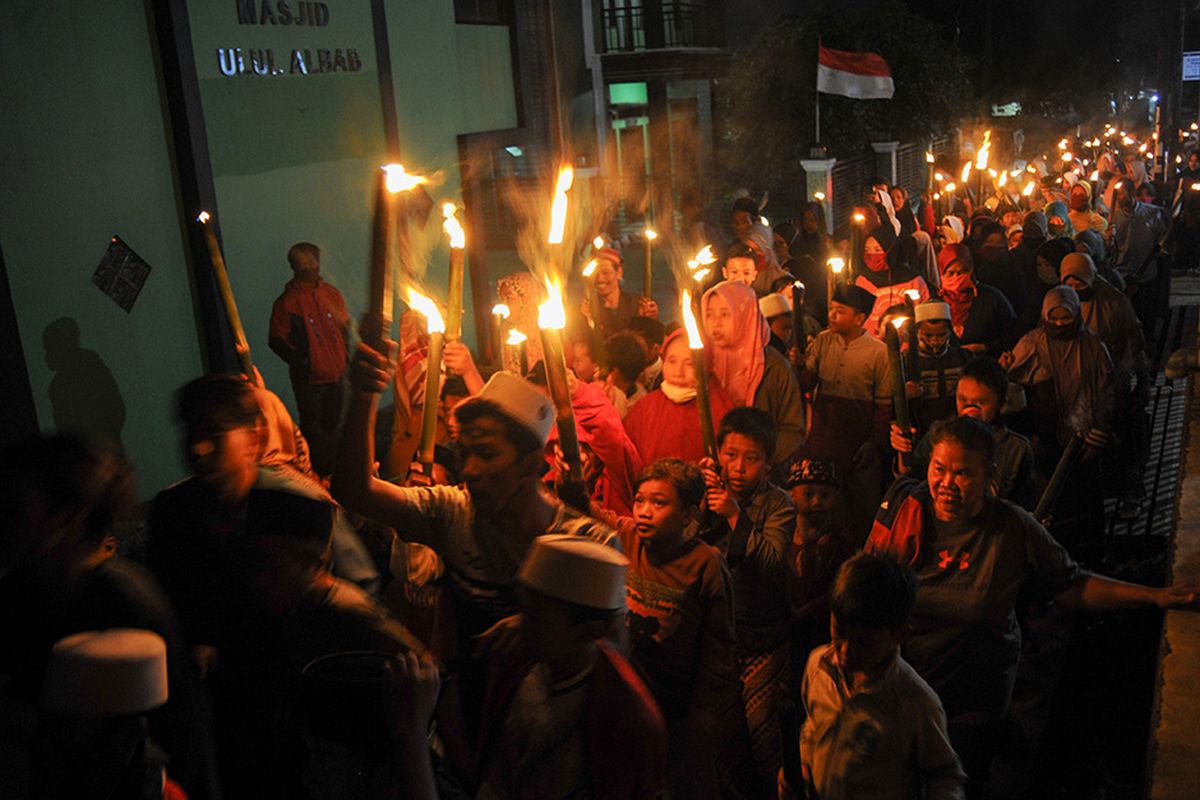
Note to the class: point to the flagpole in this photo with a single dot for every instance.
(817, 94)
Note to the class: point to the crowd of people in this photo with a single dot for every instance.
(824, 603)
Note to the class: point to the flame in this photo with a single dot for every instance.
(798, 285)
(950, 188)
(1062, 143)
(913, 294)
(1095, 176)
(837, 265)
(992, 172)
(1003, 179)
(551, 314)
(1031, 167)
(458, 239)
(695, 342)
(1143, 147)
(399, 180)
(1196, 187)
(928, 158)
(427, 308)
(203, 217)
(598, 242)
(898, 322)
(1154, 136)
(650, 234)
(1067, 157)
(859, 219)
(705, 256)
(937, 195)
(966, 172)
(515, 337)
(501, 310)
(589, 268)
(701, 274)
(981, 158)
(938, 176)
(1125, 140)
(558, 209)
(818, 196)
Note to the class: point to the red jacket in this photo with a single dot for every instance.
(308, 331)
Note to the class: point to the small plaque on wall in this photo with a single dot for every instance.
(121, 273)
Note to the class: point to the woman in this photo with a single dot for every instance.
(887, 271)
(751, 372)
(1067, 375)
(994, 265)
(809, 271)
(814, 241)
(761, 241)
(617, 306)
(1045, 277)
(1083, 217)
(1058, 220)
(666, 423)
(904, 213)
(980, 316)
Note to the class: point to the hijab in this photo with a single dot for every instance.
(951, 229)
(740, 367)
(1053, 251)
(1036, 229)
(958, 291)
(1059, 209)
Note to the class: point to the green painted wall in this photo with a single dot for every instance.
(84, 155)
(293, 156)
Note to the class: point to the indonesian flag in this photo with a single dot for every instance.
(864, 76)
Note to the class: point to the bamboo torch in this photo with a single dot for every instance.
(387, 237)
(552, 318)
(648, 275)
(797, 312)
(500, 313)
(240, 344)
(929, 170)
(899, 395)
(912, 297)
(437, 338)
(836, 267)
(857, 221)
(516, 341)
(454, 297)
(696, 344)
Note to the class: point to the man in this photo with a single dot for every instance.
(482, 528)
(1137, 229)
(851, 380)
(308, 330)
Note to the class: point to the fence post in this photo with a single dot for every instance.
(885, 159)
(818, 177)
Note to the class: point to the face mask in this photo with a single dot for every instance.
(1061, 332)
(678, 394)
(1085, 294)
(958, 284)
(1079, 204)
(1056, 230)
(992, 252)
(876, 262)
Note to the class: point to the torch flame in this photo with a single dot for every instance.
(799, 285)
(705, 256)
(399, 180)
(689, 322)
(837, 265)
(913, 294)
(899, 322)
(859, 219)
(204, 217)
(558, 210)
(501, 310)
(966, 172)
(551, 314)
(428, 309)
(1062, 143)
(1028, 190)
(1031, 167)
(1196, 187)
(981, 158)
(1003, 179)
(1067, 157)
(701, 274)
(458, 239)
(938, 176)
(515, 337)
(650, 234)
(589, 268)
(818, 196)
(928, 158)
(950, 188)
(598, 242)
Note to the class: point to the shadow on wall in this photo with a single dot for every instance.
(83, 394)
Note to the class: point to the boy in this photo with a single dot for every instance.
(750, 520)
(872, 727)
(680, 621)
(651, 333)
(980, 393)
(626, 359)
(851, 380)
(741, 264)
(941, 363)
(572, 720)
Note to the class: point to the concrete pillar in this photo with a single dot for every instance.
(818, 177)
(885, 160)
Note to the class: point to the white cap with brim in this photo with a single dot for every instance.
(933, 311)
(522, 402)
(773, 305)
(576, 570)
(116, 672)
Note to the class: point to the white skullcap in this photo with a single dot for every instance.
(116, 672)
(522, 402)
(932, 310)
(576, 570)
(774, 304)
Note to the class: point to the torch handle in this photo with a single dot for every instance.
(648, 275)
(899, 395)
(380, 302)
(707, 430)
(560, 392)
(430, 409)
(241, 345)
(797, 318)
(454, 297)
(1066, 462)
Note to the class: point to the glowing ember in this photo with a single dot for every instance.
(399, 180)
(428, 309)
(558, 209)
(458, 239)
(695, 342)
(551, 314)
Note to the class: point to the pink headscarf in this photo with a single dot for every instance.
(740, 368)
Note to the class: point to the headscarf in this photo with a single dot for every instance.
(740, 367)
(1059, 209)
(926, 260)
(1106, 312)
(959, 292)
(770, 271)
(1053, 251)
(1094, 242)
(1036, 229)
(951, 229)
